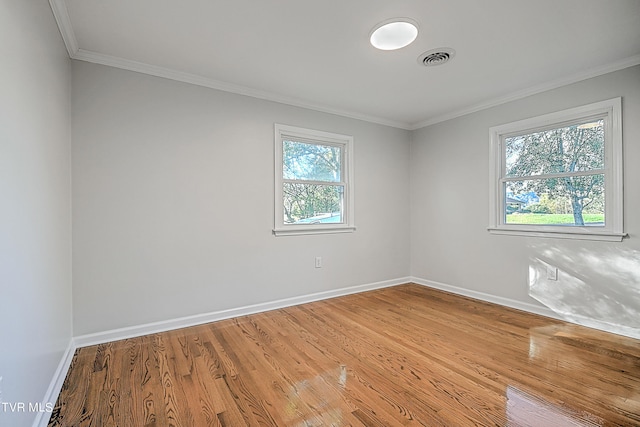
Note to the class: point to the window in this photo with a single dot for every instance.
(559, 175)
(313, 182)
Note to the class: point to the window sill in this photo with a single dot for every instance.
(304, 230)
(578, 234)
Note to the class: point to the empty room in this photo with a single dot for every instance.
(329, 213)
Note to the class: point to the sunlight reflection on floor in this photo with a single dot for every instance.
(525, 409)
(316, 401)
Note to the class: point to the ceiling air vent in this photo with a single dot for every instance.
(434, 57)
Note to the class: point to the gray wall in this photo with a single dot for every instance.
(35, 192)
(599, 283)
(173, 206)
(173, 203)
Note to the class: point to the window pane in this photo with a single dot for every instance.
(312, 162)
(312, 203)
(571, 201)
(575, 148)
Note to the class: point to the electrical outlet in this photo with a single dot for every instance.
(552, 273)
(318, 262)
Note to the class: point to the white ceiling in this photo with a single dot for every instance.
(316, 53)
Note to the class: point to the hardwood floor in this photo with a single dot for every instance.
(405, 355)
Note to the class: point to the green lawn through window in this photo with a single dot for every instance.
(552, 219)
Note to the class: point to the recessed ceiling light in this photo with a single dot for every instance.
(394, 34)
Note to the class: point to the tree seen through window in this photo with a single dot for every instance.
(557, 174)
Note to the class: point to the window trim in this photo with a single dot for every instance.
(318, 137)
(611, 112)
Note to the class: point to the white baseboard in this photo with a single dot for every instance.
(507, 302)
(53, 391)
(198, 319)
(532, 308)
(50, 397)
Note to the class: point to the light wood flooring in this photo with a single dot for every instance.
(405, 355)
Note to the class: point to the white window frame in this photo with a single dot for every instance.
(611, 112)
(285, 132)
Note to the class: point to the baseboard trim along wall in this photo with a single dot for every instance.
(50, 397)
(198, 319)
(507, 302)
(532, 308)
(42, 419)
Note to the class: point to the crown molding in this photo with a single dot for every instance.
(63, 20)
(554, 84)
(61, 15)
(171, 74)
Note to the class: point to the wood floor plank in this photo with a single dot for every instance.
(400, 356)
(381, 355)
